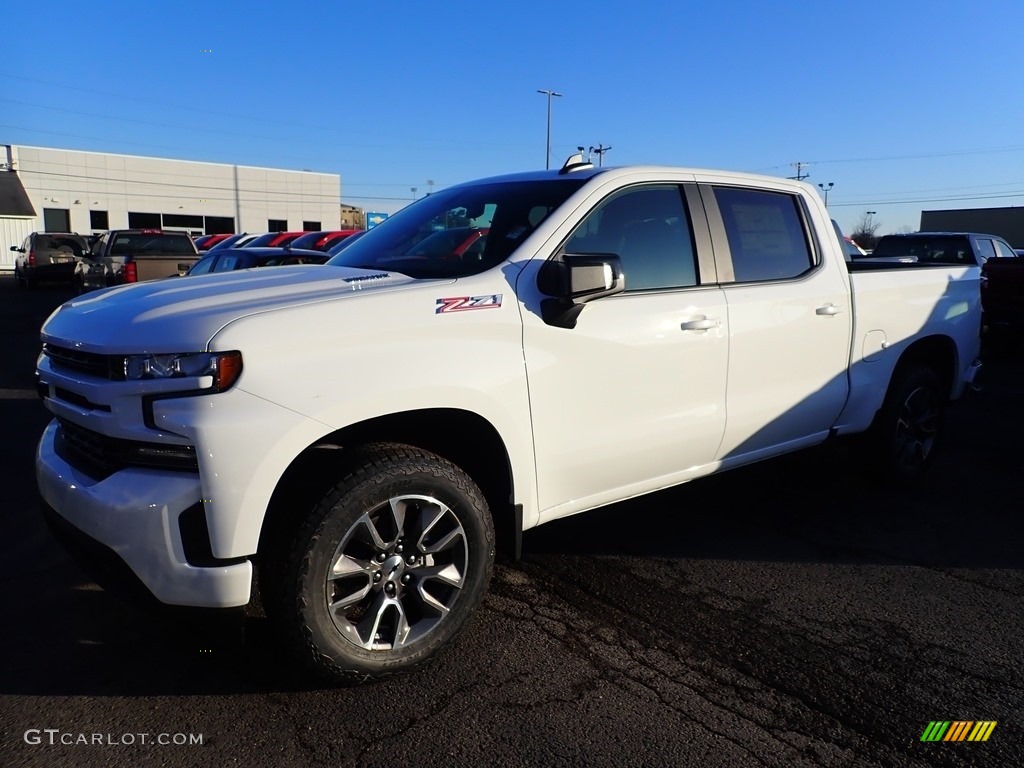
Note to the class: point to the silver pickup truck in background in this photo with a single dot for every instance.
(134, 256)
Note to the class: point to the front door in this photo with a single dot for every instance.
(633, 397)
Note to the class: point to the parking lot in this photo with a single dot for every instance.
(826, 623)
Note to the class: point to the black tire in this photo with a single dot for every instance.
(403, 532)
(907, 429)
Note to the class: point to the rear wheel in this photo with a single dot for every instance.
(907, 429)
(388, 567)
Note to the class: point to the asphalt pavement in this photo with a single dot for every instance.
(786, 614)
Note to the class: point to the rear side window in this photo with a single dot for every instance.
(1005, 251)
(649, 229)
(985, 248)
(766, 234)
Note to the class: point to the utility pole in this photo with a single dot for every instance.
(547, 154)
(599, 150)
(825, 188)
(800, 175)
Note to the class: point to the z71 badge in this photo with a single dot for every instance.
(466, 303)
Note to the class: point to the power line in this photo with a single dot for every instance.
(953, 198)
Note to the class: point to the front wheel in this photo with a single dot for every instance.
(906, 431)
(388, 567)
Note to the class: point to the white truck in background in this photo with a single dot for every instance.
(363, 434)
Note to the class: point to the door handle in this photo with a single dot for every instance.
(701, 324)
(828, 309)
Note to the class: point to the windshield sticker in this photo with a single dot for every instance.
(465, 303)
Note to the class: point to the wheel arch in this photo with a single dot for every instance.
(465, 438)
(937, 352)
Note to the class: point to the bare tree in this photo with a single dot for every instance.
(865, 231)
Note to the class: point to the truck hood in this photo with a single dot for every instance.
(182, 314)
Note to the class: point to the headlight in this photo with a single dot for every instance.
(223, 367)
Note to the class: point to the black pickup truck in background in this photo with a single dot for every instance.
(945, 248)
(1002, 268)
(1002, 294)
(134, 255)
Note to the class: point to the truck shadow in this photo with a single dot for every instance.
(817, 505)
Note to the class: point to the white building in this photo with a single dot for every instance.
(62, 190)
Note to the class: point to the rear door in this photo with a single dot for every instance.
(633, 397)
(790, 321)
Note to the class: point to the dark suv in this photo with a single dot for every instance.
(48, 256)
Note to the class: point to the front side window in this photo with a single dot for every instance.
(459, 231)
(766, 234)
(649, 229)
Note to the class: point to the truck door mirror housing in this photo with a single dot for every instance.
(574, 280)
(593, 276)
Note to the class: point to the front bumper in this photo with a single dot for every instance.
(134, 513)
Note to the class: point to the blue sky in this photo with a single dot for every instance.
(904, 106)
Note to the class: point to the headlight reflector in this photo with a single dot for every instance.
(223, 367)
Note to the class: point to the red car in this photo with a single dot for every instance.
(457, 243)
(274, 239)
(205, 242)
(321, 241)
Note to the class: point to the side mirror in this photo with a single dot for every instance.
(15, 248)
(574, 280)
(592, 277)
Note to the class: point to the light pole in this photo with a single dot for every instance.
(547, 154)
(825, 188)
(413, 190)
(868, 215)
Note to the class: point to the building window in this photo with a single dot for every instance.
(220, 225)
(311, 226)
(98, 221)
(277, 225)
(143, 220)
(56, 220)
(181, 221)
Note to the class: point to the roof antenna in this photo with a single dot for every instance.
(575, 162)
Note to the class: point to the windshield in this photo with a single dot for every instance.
(459, 231)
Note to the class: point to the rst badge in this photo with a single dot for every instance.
(466, 303)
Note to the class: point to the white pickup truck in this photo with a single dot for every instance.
(364, 435)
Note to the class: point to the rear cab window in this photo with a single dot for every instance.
(138, 243)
